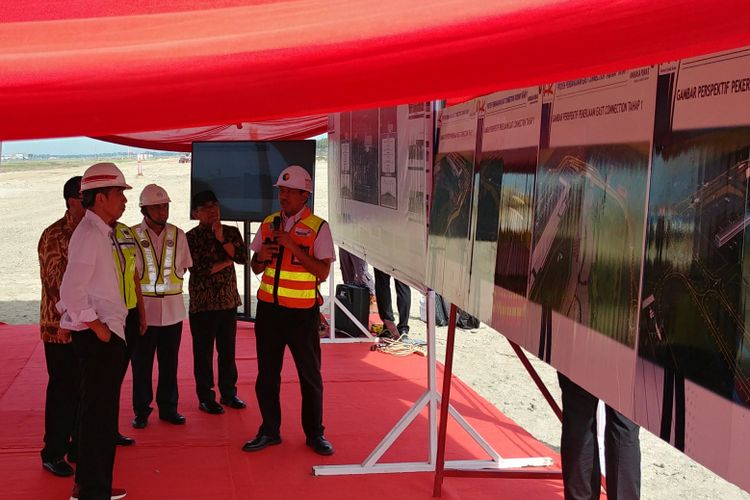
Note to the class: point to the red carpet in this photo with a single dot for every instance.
(366, 393)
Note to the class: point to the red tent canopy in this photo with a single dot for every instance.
(182, 139)
(77, 67)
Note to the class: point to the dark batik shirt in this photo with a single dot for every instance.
(53, 258)
(218, 291)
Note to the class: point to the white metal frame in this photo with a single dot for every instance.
(430, 398)
(332, 338)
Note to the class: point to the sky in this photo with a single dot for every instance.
(67, 146)
(72, 146)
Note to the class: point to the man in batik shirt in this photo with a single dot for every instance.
(62, 366)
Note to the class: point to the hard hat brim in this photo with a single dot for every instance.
(277, 185)
(122, 185)
(162, 202)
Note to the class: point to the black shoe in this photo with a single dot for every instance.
(140, 421)
(115, 493)
(173, 418)
(124, 440)
(261, 441)
(233, 402)
(211, 407)
(59, 467)
(320, 445)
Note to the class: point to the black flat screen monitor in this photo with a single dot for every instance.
(242, 173)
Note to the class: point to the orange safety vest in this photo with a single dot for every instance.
(285, 281)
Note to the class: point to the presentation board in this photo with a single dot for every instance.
(590, 203)
(379, 163)
(509, 125)
(692, 380)
(601, 223)
(449, 256)
(606, 231)
(567, 287)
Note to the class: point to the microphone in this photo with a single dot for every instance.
(275, 225)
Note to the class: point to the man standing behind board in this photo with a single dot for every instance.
(579, 448)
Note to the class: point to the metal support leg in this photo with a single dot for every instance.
(435, 447)
(331, 338)
(537, 379)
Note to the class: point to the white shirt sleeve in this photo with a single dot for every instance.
(74, 296)
(257, 243)
(138, 257)
(323, 248)
(183, 260)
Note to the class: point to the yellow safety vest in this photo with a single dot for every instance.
(285, 281)
(124, 256)
(159, 277)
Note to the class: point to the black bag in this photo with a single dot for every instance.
(357, 300)
(441, 314)
(466, 321)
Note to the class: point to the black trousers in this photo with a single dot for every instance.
(132, 334)
(385, 305)
(206, 328)
(354, 271)
(164, 341)
(63, 392)
(275, 328)
(580, 452)
(101, 376)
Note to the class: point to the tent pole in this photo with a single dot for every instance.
(447, 375)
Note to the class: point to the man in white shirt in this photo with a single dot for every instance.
(94, 310)
(162, 260)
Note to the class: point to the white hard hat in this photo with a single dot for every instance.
(295, 177)
(102, 175)
(153, 195)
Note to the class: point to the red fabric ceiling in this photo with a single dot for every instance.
(79, 67)
(182, 139)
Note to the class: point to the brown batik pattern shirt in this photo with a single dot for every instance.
(53, 259)
(218, 291)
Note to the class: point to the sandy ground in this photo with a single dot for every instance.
(31, 199)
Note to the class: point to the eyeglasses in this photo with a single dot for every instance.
(208, 206)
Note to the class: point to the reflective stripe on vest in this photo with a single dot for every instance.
(124, 256)
(286, 282)
(159, 276)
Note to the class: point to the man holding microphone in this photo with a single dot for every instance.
(293, 251)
